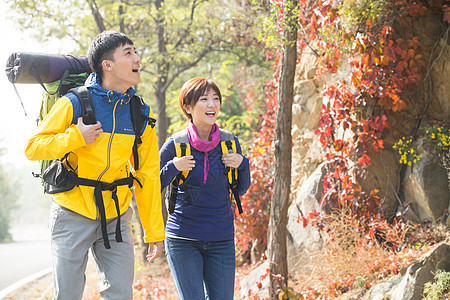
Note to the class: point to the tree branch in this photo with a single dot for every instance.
(186, 67)
(97, 16)
(188, 26)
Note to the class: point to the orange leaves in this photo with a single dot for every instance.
(385, 60)
(416, 9)
(305, 220)
(313, 214)
(446, 9)
(356, 78)
(387, 30)
(152, 288)
(380, 123)
(261, 278)
(382, 67)
(364, 160)
(385, 67)
(339, 145)
(251, 227)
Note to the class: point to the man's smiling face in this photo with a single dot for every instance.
(124, 68)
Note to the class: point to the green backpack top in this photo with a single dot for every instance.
(53, 91)
(57, 74)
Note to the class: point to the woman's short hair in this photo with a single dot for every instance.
(193, 89)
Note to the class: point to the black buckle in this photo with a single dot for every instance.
(183, 148)
(108, 187)
(151, 122)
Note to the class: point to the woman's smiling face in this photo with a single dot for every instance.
(205, 111)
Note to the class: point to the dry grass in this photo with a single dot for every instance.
(352, 260)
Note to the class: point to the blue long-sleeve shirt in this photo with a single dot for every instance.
(203, 212)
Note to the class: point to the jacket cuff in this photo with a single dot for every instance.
(245, 163)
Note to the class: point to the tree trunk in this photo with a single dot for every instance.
(162, 122)
(162, 72)
(283, 156)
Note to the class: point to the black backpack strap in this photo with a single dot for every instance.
(227, 140)
(100, 186)
(173, 186)
(87, 106)
(234, 181)
(138, 119)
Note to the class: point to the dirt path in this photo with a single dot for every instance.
(152, 281)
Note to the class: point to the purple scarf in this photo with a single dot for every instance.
(204, 146)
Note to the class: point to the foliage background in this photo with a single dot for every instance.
(237, 43)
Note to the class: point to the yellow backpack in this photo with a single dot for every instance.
(183, 148)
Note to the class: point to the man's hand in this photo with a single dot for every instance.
(185, 163)
(154, 250)
(90, 132)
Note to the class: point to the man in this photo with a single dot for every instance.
(101, 153)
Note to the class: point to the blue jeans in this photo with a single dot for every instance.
(202, 270)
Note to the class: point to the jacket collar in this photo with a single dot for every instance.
(93, 83)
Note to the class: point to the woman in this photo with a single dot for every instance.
(200, 230)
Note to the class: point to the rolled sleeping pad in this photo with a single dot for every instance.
(27, 67)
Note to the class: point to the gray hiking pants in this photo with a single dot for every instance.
(72, 235)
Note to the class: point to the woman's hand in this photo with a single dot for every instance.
(232, 160)
(185, 163)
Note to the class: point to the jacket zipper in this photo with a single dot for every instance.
(108, 152)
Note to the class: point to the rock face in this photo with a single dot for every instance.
(249, 283)
(410, 284)
(424, 186)
(302, 240)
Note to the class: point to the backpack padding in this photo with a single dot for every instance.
(227, 144)
(225, 135)
(138, 119)
(182, 148)
(181, 136)
(87, 106)
(136, 105)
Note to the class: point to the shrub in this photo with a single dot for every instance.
(440, 288)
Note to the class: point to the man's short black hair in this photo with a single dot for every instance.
(103, 47)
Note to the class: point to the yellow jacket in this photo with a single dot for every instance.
(108, 159)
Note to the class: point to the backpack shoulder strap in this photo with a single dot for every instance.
(138, 119)
(181, 137)
(226, 135)
(182, 148)
(227, 142)
(87, 106)
(228, 145)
